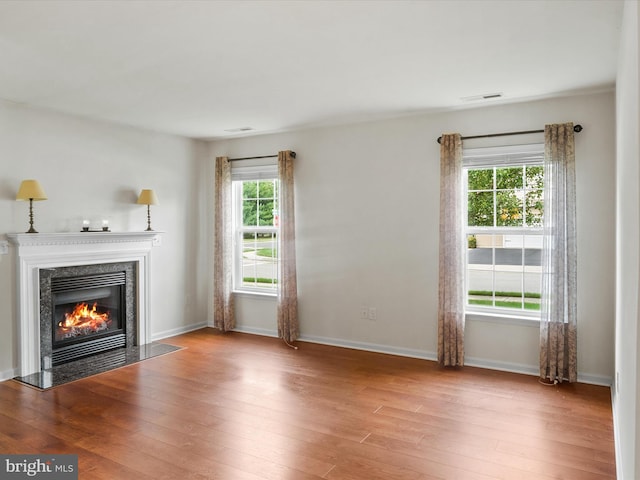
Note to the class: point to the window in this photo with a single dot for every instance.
(504, 199)
(255, 226)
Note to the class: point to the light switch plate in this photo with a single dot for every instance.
(4, 247)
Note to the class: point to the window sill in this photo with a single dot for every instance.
(507, 319)
(254, 294)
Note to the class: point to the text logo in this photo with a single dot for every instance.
(45, 466)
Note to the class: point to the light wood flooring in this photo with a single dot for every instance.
(243, 407)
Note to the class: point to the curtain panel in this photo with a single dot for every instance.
(558, 322)
(451, 280)
(223, 311)
(287, 311)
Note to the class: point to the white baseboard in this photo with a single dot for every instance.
(177, 331)
(8, 374)
(534, 370)
(425, 355)
(369, 347)
(616, 434)
(264, 332)
(595, 379)
(501, 366)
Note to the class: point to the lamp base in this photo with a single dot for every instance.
(149, 229)
(31, 229)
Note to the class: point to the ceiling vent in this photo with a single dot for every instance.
(238, 130)
(484, 96)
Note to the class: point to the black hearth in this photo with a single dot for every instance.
(86, 310)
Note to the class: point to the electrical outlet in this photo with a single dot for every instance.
(4, 247)
(156, 241)
(372, 314)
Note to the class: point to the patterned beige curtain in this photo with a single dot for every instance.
(558, 335)
(288, 328)
(451, 297)
(223, 313)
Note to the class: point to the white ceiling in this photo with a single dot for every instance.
(198, 68)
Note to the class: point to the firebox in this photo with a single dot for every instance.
(87, 315)
(86, 310)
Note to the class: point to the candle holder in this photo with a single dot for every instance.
(86, 227)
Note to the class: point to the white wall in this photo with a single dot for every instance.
(367, 200)
(95, 170)
(626, 399)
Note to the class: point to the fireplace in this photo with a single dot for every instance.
(63, 259)
(86, 310)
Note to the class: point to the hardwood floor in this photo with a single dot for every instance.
(237, 406)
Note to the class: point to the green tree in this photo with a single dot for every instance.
(534, 196)
(259, 202)
(498, 196)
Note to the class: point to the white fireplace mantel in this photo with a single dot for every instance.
(51, 250)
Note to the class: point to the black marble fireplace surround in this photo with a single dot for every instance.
(84, 278)
(106, 357)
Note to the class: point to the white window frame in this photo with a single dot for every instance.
(512, 155)
(249, 171)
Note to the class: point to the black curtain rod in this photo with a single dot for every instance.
(293, 155)
(576, 128)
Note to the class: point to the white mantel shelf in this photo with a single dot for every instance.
(51, 250)
(74, 238)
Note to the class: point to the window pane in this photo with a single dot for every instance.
(535, 177)
(250, 213)
(480, 269)
(250, 189)
(480, 213)
(509, 178)
(508, 276)
(481, 179)
(533, 271)
(509, 209)
(508, 286)
(509, 256)
(534, 208)
(265, 211)
(265, 189)
(249, 203)
(259, 260)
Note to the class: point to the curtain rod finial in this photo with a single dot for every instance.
(439, 140)
(577, 128)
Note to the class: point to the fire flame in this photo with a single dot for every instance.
(83, 321)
